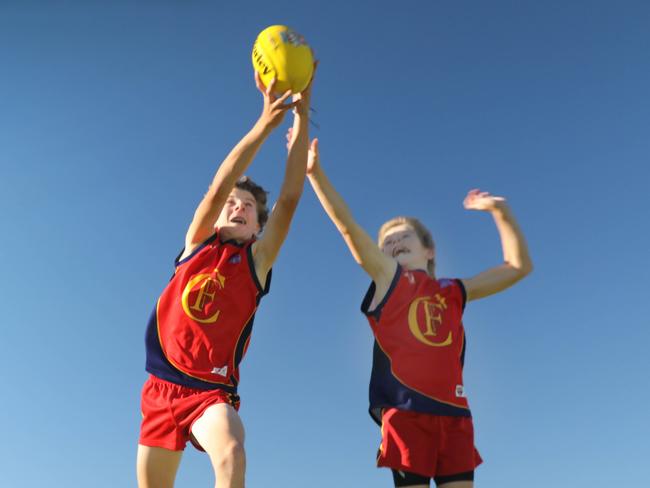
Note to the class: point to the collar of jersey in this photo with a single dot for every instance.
(233, 242)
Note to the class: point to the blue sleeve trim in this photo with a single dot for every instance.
(251, 266)
(209, 240)
(367, 299)
(463, 292)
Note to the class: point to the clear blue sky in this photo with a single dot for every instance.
(114, 117)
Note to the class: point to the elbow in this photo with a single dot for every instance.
(520, 270)
(525, 269)
(345, 232)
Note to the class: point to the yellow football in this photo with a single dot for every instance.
(281, 52)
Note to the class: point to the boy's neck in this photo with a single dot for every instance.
(225, 236)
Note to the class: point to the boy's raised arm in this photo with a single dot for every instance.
(365, 251)
(517, 263)
(234, 166)
(265, 250)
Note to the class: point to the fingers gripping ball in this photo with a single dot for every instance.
(281, 52)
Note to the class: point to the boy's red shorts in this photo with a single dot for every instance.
(169, 411)
(428, 445)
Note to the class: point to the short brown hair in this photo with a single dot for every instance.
(246, 184)
(420, 230)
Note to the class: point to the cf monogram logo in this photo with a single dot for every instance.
(433, 308)
(199, 294)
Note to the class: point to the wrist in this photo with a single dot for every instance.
(262, 126)
(501, 210)
(315, 172)
(301, 115)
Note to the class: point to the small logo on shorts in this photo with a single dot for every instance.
(460, 391)
(220, 371)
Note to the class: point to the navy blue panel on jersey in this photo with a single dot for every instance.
(386, 391)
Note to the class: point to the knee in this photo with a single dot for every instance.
(233, 455)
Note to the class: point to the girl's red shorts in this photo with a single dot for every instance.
(169, 411)
(428, 445)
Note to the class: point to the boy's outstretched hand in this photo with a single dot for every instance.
(482, 200)
(274, 107)
(313, 159)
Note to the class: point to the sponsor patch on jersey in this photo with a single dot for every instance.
(236, 259)
(460, 391)
(220, 371)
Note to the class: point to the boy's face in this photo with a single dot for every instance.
(403, 244)
(238, 218)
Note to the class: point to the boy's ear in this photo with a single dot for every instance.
(430, 253)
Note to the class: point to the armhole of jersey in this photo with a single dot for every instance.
(209, 240)
(463, 292)
(251, 266)
(367, 300)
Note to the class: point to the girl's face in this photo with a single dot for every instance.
(403, 244)
(238, 218)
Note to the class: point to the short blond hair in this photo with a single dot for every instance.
(420, 230)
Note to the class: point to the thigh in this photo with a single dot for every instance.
(157, 467)
(218, 428)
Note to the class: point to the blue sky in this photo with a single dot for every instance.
(114, 117)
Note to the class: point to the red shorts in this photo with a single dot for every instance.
(169, 411)
(428, 445)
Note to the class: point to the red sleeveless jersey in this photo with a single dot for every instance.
(419, 345)
(200, 329)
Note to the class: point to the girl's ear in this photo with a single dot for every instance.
(430, 254)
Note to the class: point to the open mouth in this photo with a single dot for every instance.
(400, 250)
(238, 220)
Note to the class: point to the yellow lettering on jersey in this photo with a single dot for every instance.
(207, 291)
(433, 316)
(208, 286)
